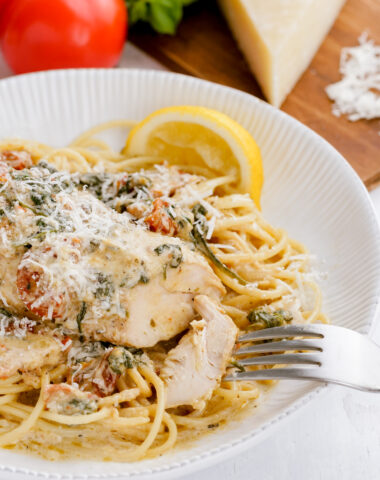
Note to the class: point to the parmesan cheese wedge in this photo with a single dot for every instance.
(279, 38)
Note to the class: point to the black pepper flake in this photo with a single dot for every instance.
(213, 425)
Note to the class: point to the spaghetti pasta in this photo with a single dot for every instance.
(264, 274)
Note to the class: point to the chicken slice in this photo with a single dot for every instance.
(194, 367)
(137, 286)
(28, 353)
(12, 231)
(158, 310)
(67, 257)
(154, 314)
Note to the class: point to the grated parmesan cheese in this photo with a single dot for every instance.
(357, 94)
(15, 327)
(210, 227)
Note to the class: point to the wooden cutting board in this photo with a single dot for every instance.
(204, 47)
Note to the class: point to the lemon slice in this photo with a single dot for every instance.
(202, 137)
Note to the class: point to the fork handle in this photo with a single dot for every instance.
(295, 374)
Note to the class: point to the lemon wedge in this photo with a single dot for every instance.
(202, 137)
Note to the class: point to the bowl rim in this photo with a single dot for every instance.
(225, 451)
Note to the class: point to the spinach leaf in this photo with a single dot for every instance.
(261, 318)
(104, 286)
(122, 358)
(5, 312)
(174, 251)
(237, 365)
(197, 235)
(81, 315)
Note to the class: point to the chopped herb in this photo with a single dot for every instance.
(64, 185)
(261, 318)
(94, 182)
(90, 350)
(80, 406)
(91, 179)
(48, 166)
(40, 234)
(199, 210)
(46, 228)
(41, 193)
(237, 365)
(169, 211)
(81, 315)
(32, 209)
(130, 281)
(41, 223)
(134, 184)
(105, 287)
(213, 425)
(37, 198)
(94, 245)
(122, 358)
(10, 203)
(197, 235)
(174, 250)
(123, 189)
(202, 245)
(143, 278)
(200, 220)
(20, 176)
(5, 312)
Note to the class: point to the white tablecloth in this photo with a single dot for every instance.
(335, 437)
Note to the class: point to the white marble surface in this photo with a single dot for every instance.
(335, 437)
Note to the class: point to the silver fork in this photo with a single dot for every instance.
(329, 354)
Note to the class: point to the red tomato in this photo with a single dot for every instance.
(48, 34)
(30, 286)
(16, 159)
(2, 4)
(159, 220)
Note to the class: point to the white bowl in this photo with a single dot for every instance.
(310, 190)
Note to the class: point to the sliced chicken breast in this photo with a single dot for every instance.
(157, 310)
(134, 287)
(154, 314)
(193, 368)
(28, 353)
(13, 231)
(66, 256)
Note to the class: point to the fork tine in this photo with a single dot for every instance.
(287, 358)
(281, 346)
(275, 373)
(281, 332)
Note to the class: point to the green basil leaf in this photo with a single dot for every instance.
(137, 10)
(165, 15)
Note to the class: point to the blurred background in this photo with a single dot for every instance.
(317, 60)
(284, 48)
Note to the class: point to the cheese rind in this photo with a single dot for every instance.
(279, 38)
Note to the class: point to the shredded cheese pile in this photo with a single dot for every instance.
(15, 327)
(357, 94)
